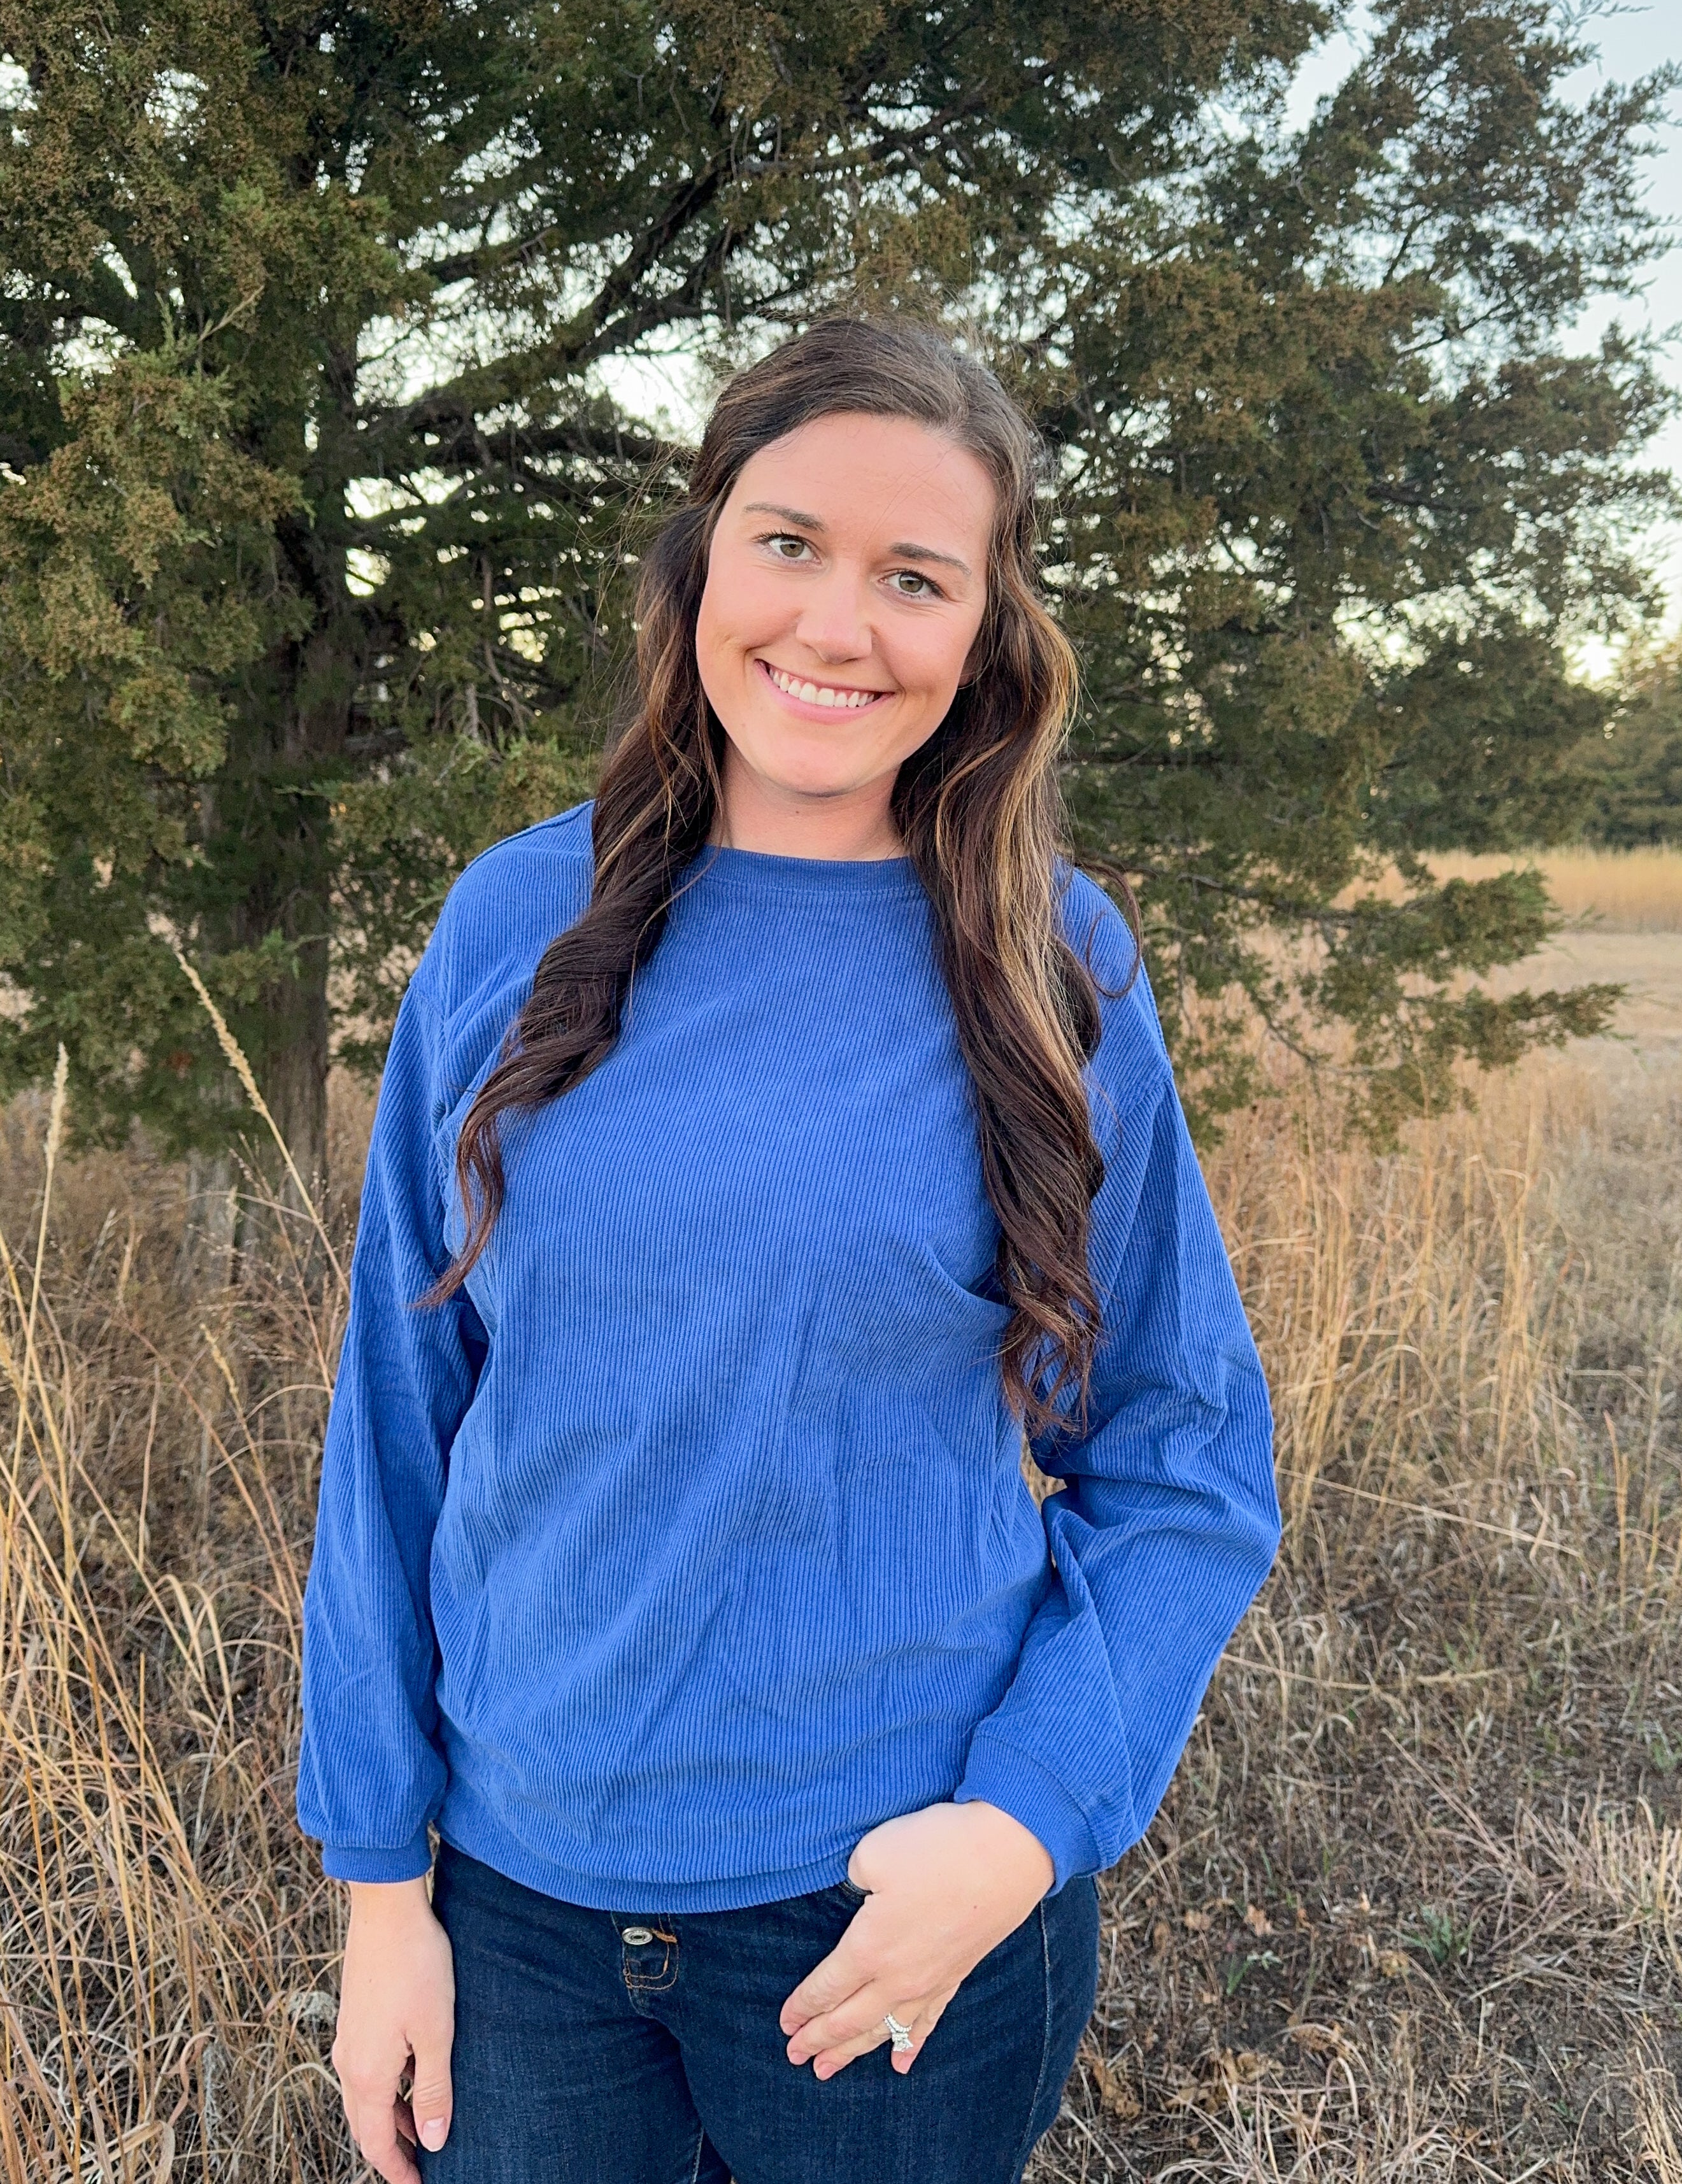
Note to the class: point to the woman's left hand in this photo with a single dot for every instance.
(947, 1885)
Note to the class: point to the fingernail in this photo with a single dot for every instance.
(432, 2134)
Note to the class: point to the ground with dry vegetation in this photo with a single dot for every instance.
(1413, 1907)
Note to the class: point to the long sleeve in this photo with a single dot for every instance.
(370, 1772)
(1169, 1520)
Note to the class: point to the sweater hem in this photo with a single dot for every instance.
(480, 1836)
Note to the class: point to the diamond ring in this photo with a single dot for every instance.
(901, 2034)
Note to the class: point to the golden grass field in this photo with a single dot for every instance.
(1630, 891)
(1412, 1909)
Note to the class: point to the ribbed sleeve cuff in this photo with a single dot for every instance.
(1000, 1774)
(353, 1862)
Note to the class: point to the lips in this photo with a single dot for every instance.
(831, 697)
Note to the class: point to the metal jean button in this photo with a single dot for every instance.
(636, 1937)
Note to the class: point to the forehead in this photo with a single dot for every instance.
(883, 477)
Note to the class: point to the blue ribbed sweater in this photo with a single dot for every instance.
(693, 1540)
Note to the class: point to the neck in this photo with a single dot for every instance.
(853, 825)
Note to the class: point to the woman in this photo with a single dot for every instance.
(764, 1149)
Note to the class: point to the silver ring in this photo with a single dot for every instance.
(901, 2034)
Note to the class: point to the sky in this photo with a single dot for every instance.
(1634, 39)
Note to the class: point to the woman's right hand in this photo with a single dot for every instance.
(396, 2014)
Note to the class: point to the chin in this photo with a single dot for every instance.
(811, 785)
(809, 773)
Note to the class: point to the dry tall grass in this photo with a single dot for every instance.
(165, 1945)
(1628, 890)
(1413, 1909)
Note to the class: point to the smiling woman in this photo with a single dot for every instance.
(771, 1145)
(839, 612)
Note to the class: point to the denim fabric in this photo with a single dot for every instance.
(584, 2057)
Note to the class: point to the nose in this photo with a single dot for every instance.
(835, 620)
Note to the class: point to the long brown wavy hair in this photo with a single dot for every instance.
(978, 807)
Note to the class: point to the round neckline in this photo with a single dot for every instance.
(758, 870)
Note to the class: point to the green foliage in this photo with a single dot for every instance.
(319, 492)
(1442, 1939)
(135, 588)
(1635, 767)
(1335, 512)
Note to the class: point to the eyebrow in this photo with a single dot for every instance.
(911, 551)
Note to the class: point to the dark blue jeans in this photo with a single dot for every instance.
(582, 2057)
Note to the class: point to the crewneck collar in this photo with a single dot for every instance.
(759, 871)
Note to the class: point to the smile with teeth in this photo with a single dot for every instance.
(821, 693)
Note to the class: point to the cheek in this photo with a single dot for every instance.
(738, 600)
(937, 663)
(717, 647)
(712, 633)
(736, 617)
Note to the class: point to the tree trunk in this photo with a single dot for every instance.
(298, 731)
(210, 1231)
(319, 679)
(286, 1039)
(295, 1082)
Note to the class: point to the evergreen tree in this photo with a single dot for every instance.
(1635, 769)
(320, 480)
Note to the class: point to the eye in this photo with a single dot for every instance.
(927, 588)
(785, 545)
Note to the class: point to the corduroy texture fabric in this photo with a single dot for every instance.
(692, 1541)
